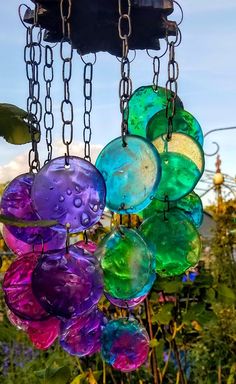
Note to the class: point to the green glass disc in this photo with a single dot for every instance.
(127, 263)
(143, 104)
(183, 122)
(182, 161)
(190, 205)
(173, 240)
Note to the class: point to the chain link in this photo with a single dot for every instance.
(88, 105)
(66, 54)
(125, 86)
(172, 84)
(33, 58)
(48, 75)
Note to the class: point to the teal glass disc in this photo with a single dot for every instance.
(182, 161)
(143, 104)
(131, 173)
(183, 122)
(128, 265)
(190, 205)
(174, 241)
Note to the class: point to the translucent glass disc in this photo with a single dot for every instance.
(128, 265)
(125, 344)
(143, 104)
(67, 284)
(183, 122)
(173, 240)
(82, 336)
(74, 194)
(131, 173)
(182, 160)
(190, 204)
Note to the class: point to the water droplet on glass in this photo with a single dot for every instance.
(61, 198)
(94, 207)
(77, 203)
(85, 219)
(69, 192)
(56, 208)
(78, 188)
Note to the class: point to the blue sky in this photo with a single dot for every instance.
(207, 83)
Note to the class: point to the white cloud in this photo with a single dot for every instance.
(19, 164)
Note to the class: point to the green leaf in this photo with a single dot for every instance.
(168, 286)
(164, 315)
(13, 128)
(198, 312)
(80, 379)
(226, 294)
(52, 375)
(25, 223)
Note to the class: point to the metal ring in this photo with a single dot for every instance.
(131, 61)
(20, 16)
(88, 61)
(181, 10)
(159, 57)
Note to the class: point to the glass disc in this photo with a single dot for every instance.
(20, 248)
(67, 284)
(18, 291)
(74, 194)
(125, 344)
(143, 104)
(43, 334)
(82, 336)
(131, 173)
(190, 204)
(183, 122)
(128, 265)
(16, 202)
(174, 241)
(182, 161)
(125, 303)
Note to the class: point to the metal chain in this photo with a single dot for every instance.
(156, 72)
(125, 86)
(66, 54)
(48, 75)
(171, 84)
(88, 105)
(33, 58)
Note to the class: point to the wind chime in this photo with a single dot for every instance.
(52, 289)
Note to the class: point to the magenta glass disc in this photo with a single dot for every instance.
(125, 303)
(88, 246)
(67, 284)
(82, 336)
(125, 344)
(18, 292)
(43, 333)
(16, 202)
(73, 194)
(17, 321)
(20, 248)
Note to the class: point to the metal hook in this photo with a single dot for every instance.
(20, 16)
(181, 10)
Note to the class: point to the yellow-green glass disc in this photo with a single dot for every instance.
(183, 122)
(143, 104)
(127, 263)
(182, 160)
(174, 241)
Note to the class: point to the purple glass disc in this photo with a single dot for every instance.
(82, 336)
(74, 194)
(125, 303)
(16, 202)
(18, 292)
(67, 284)
(21, 248)
(43, 333)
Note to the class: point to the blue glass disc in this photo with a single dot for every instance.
(131, 173)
